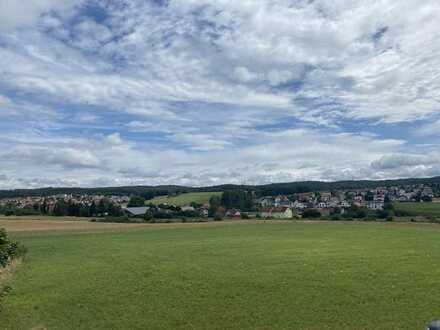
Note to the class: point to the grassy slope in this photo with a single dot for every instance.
(243, 276)
(421, 209)
(185, 199)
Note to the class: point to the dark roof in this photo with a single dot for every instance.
(137, 210)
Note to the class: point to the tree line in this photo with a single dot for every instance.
(149, 192)
(62, 208)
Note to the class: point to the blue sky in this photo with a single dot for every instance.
(195, 92)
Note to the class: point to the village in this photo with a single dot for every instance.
(321, 203)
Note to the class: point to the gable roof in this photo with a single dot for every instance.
(137, 210)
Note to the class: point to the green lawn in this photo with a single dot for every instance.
(420, 209)
(229, 276)
(185, 199)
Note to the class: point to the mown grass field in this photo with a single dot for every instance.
(420, 209)
(185, 199)
(256, 275)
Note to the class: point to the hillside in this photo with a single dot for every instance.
(185, 199)
(149, 192)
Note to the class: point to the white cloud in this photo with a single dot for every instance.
(65, 156)
(114, 139)
(394, 161)
(217, 91)
(15, 14)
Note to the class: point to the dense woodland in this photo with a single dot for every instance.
(149, 192)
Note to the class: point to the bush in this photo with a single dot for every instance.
(335, 217)
(403, 213)
(311, 214)
(9, 250)
(432, 219)
(148, 216)
(218, 217)
(382, 214)
(244, 216)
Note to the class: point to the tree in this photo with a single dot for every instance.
(214, 204)
(84, 211)
(44, 208)
(92, 209)
(237, 198)
(72, 209)
(102, 207)
(114, 210)
(311, 214)
(136, 201)
(61, 208)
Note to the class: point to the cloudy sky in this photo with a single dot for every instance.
(198, 92)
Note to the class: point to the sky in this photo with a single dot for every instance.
(198, 92)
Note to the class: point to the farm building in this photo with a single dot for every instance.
(136, 211)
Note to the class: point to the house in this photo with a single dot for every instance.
(136, 211)
(204, 211)
(187, 208)
(282, 201)
(281, 212)
(345, 204)
(375, 205)
(299, 205)
(322, 205)
(305, 197)
(233, 213)
(325, 196)
(266, 201)
(427, 191)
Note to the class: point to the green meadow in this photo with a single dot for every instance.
(419, 209)
(256, 275)
(185, 199)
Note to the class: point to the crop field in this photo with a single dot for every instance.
(420, 209)
(243, 275)
(185, 199)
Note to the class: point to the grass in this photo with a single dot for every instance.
(256, 275)
(185, 199)
(419, 209)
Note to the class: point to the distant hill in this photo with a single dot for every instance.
(149, 192)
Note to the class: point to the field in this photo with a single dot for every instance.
(185, 199)
(243, 275)
(420, 209)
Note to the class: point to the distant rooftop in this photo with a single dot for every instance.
(137, 210)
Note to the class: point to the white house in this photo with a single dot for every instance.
(345, 204)
(277, 213)
(299, 205)
(322, 205)
(187, 208)
(375, 205)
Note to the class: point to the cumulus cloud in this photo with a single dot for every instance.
(15, 14)
(114, 139)
(205, 92)
(394, 161)
(65, 156)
